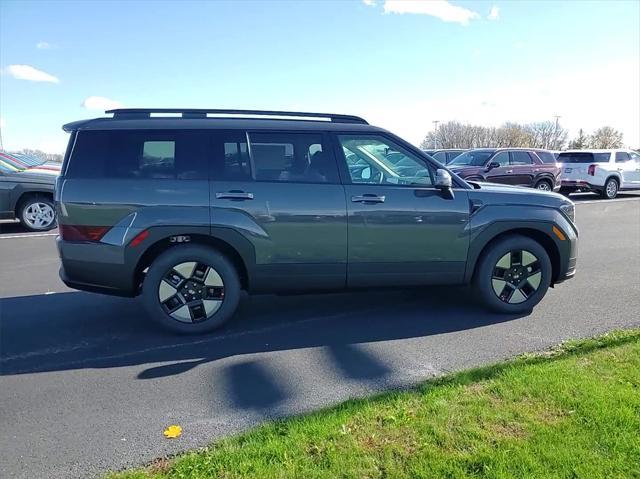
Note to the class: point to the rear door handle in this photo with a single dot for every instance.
(509, 171)
(234, 195)
(368, 198)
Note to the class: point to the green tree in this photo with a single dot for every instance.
(580, 142)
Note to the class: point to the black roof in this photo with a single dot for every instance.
(141, 118)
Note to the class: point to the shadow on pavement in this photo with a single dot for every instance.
(77, 330)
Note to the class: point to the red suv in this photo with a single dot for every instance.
(512, 166)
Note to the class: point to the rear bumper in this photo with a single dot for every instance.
(579, 185)
(95, 267)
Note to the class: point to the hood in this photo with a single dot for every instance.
(27, 176)
(516, 194)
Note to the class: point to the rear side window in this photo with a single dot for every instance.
(140, 154)
(546, 156)
(622, 157)
(583, 157)
(520, 158)
(441, 156)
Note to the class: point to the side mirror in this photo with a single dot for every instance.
(492, 165)
(444, 183)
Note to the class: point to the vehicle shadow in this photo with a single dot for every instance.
(80, 330)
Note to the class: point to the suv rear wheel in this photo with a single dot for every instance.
(610, 190)
(513, 275)
(544, 185)
(191, 289)
(37, 213)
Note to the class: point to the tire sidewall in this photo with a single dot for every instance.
(545, 182)
(605, 193)
(482, 279)
(23, 210)
(181, 254)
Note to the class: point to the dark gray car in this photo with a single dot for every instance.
(28, 196)
(188, 211)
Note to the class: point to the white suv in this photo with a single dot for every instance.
(603, 171)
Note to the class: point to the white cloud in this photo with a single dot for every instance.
(100, 103)
(441, 9)
(369, 3)
(27, 72)
(494, 14)
(44, 46)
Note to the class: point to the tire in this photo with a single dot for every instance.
(544, 185)
(498, 260)
(212, 304)
(37, 213)
(610, 190)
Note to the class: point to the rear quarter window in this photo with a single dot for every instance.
(140, 154)
(546, 156)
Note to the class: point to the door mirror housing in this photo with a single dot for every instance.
(444, 183)
(492, 165)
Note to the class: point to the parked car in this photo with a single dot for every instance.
(511, 166)
(27, 196)
(444, 156)
(22, 162)
(602, 171)
(189, 210)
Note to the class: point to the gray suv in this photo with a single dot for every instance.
(188, 210)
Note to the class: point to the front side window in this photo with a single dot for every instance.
(378, 160)
(441, 156)
(501, 158)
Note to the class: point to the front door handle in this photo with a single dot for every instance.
(234, 195)
(368, 198)
(509, 171)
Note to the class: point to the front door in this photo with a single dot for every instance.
(402, 231)
(503, 173)
(281, 191)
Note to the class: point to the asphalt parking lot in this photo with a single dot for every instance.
(87, 384)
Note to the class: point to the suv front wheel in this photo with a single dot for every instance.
(191, 289)
(513, 275)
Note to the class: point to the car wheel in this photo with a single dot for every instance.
(544, 185)
(610, 190)
(191, 289)
(513, 275)
(37, 213)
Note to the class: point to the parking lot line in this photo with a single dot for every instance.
(28, 235)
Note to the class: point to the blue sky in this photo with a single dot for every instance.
(401, 64)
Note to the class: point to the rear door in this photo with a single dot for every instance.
(628, 164)
(281, 191)
(522, 168)
(401, 229)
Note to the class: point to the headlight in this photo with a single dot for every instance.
(569, 209)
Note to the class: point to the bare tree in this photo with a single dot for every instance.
(606, 137)
(547, 134)
(580, 142)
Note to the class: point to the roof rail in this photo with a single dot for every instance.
(130, 113)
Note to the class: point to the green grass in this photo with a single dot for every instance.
(573, 412)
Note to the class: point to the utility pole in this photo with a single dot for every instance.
(555, 132)
(435, 134)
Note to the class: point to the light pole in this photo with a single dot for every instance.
(555, 132)
(435, 134)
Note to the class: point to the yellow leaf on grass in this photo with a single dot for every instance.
(173, 431)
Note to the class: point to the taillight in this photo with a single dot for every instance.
(82, 233)
(592, 170)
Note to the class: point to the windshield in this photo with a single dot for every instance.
(471, 158)
(583, 157)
